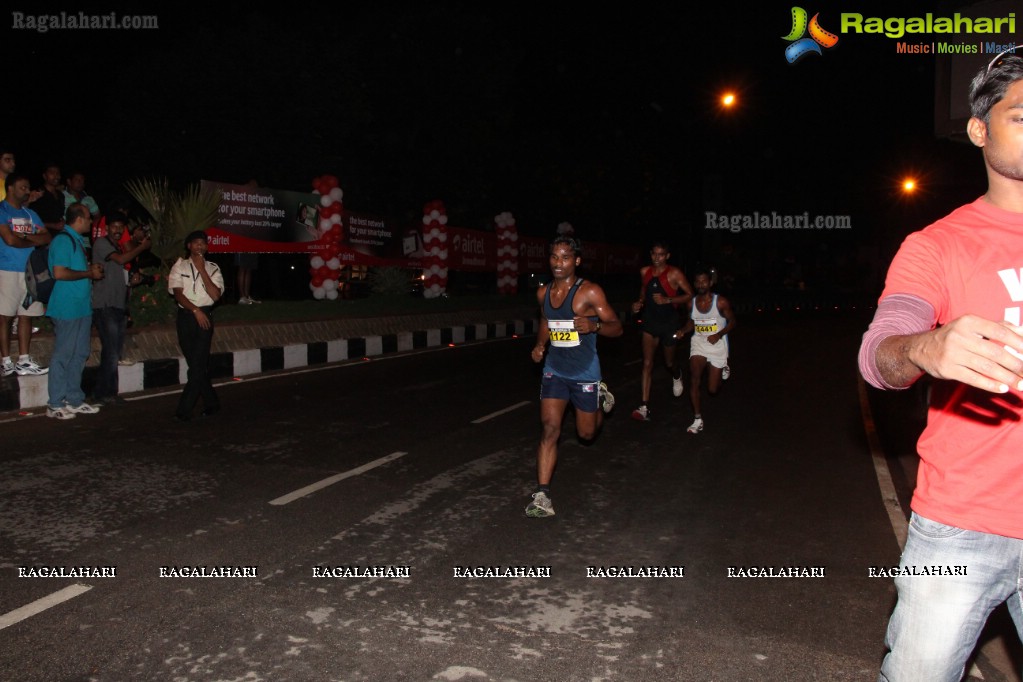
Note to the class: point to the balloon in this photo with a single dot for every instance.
(336, 194)
(319, 293)
(335, 219)
(329, 285)
(316, 262)
(334, 264)
(332, 294)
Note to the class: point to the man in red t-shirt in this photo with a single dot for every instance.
(951, 309)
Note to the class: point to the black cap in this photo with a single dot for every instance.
(192, 236)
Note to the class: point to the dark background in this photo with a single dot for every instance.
(606, 118)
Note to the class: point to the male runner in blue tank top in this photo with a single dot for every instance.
(573, 312)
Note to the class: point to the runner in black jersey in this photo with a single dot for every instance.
(664, 289)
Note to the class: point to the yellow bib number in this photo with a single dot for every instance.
(562, 333)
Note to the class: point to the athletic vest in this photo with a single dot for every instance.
(572, 355)
(652, 312)
(710, 322)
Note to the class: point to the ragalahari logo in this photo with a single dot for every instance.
(802, 46)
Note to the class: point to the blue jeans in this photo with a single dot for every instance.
(938, 618)
(70, 351)
(111, 325)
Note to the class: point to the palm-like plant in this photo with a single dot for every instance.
(174, 214)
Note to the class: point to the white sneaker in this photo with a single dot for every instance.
(696, 426)
(607, 401)
(84, 408)
(676, 386)
(641, 413)
(60, 413)
(244, 300)
(29, 367)
(7, 367)
(540, 506)
(726, 372)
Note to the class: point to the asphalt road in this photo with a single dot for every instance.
(422, 463)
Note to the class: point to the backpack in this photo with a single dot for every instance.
(39, 281)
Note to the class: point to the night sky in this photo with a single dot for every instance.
(605, 118)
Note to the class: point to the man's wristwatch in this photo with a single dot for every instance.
(597, 330)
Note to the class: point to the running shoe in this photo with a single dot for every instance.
(540, 507)
(641, 413)
(696, 426)
(726, 372)
(7, 367)
(677, 387)
(244, 300)
(84, 408)
(607, 401)
(60, 413)
(29, 367)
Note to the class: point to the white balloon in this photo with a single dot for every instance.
(443, 254)
(426, 220)
(324, 224)
(332, 295)
(443, 236)
(334, 263)
(443, 220)
(329, 285)
(316, 262)
(434, 214)
(335, 219)
(336, 194)
(325, 200)
(319, 293)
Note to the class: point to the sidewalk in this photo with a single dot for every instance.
(241, 349)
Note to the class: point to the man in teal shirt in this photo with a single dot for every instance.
(70, 309)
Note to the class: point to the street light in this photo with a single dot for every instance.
(908, 186)
(728, 100)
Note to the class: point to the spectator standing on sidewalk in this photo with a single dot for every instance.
(196, 284)
(21, 230)
(110, 301)
(70, 309)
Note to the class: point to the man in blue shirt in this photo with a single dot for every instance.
(21, 230)
(70, 309)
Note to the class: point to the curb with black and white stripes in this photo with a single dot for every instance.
(27, 392)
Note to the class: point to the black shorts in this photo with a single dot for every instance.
(665, 331)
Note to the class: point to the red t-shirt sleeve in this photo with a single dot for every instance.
(920, 269)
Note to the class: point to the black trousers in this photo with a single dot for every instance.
(195, 345)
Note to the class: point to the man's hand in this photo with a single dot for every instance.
(970, 349)
(537, 354)
(661, 299)
(637, 306)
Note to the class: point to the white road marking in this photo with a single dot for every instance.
(500, 412)
(320, 485)
(884, 477)
(40, 605)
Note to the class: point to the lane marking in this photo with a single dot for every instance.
(320, 485)
(40, 605)
(500, 412)
(896, 515)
